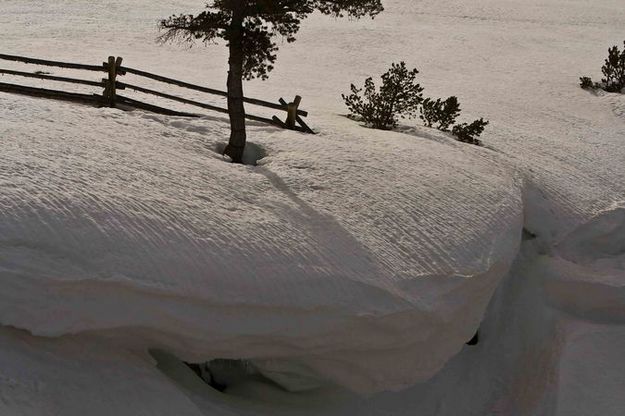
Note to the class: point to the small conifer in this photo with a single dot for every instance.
(469, 133)
(440, 114)
(614, 70)
(398, 96)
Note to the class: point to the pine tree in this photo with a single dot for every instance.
(614, 70)
(441, 113)
(469, 133)
(250, 27)
(398, 96)
(586, 83)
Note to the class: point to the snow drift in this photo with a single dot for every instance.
(370, 269)
(355, 257)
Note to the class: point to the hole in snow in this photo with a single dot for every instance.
(238, 377)
(222, 374)
(215, 375)
(251, 155)
(475, 339)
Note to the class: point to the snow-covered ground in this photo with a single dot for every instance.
(356, 260)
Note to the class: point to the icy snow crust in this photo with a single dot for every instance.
(359, 258)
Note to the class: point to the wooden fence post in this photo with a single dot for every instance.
(110, 88)
(118, 64)
(292, 112)
(299, 120)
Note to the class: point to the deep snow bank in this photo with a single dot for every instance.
(79, 376)
(150, 202)
(533, 359)
(368, 259)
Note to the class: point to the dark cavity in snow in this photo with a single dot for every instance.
(251, 155)
(221, 373)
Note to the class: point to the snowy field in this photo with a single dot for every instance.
(348, 268)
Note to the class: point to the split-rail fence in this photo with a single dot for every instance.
(111, 86)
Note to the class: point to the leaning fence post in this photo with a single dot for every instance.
(292, 112)
(297, 118)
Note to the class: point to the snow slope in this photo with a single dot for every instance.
(359, 258)
(78, 375)
(324, 251)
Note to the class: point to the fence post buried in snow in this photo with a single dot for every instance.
(304, 126)
(292, 112)
(110, 90)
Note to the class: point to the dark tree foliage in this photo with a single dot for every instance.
(586, 83)
(250, 29)
(469, 133)
(398, 96)
(614, 70)
(440, 114)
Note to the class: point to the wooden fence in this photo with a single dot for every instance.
(110, 97)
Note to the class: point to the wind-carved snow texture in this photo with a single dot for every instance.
(360, 259)
(370, 273)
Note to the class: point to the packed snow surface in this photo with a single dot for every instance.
(353, 264)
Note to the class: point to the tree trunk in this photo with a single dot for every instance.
(236, 109)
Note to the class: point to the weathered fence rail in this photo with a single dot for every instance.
(50, 77)
(109, 97)
(46, 93)
(207, 90)
(52, 63)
